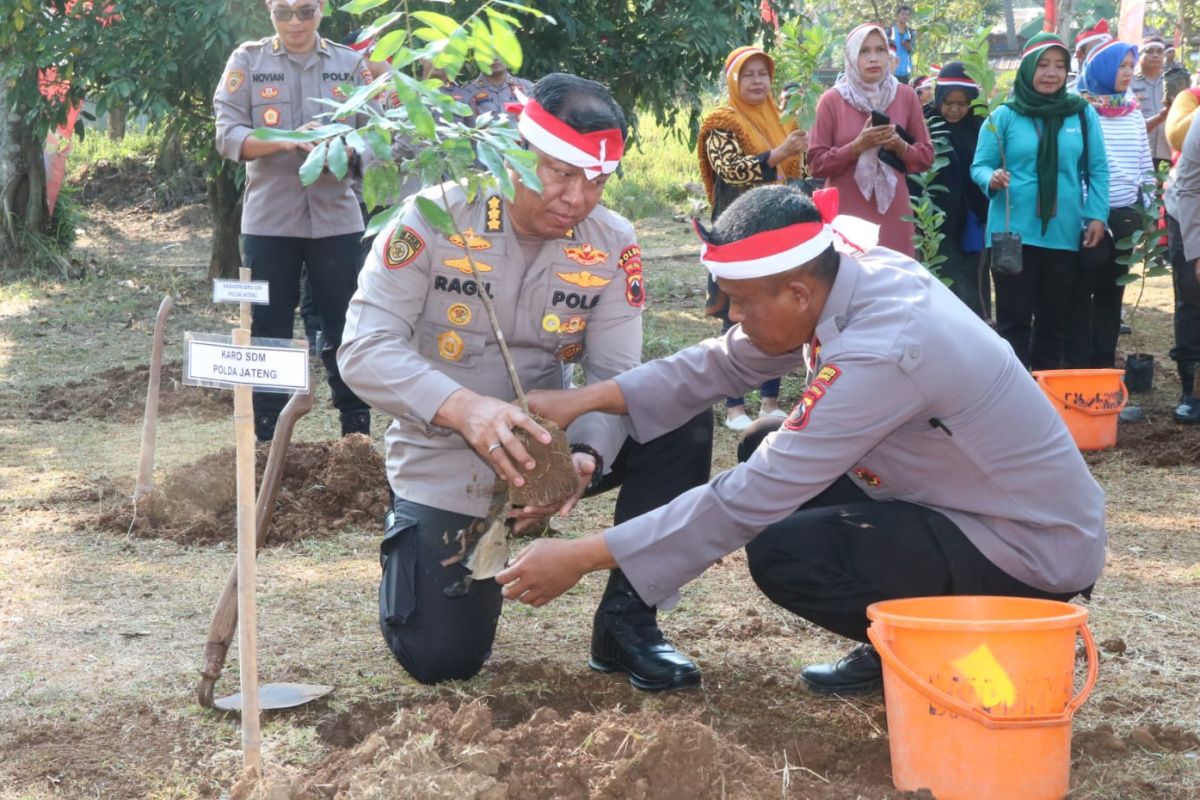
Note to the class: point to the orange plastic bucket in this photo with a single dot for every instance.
(979, 693)
(1089, 401)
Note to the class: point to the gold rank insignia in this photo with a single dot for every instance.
(271, 116)
(403, 246)
(584, 279)
(551, 323)
(495, 222)
(586, 255)
(234, 80)
(464, 266)
(450, 345)
(570, 234)
(574, 325)
(366, 75)
(459, 314)
(470, 239)
(276, 45)
(268, 93)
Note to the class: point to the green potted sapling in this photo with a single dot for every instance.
(1143, 253)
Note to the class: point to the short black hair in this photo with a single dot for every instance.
(903, 7)
(586, 106)
(769, 208)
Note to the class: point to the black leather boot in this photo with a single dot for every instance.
(626, 638)
(859, 672)
(356, 422)
(1188, 410)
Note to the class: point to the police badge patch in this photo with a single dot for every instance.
(270, 116)
(800, 415)
(459, 314)
(268, 92)
(234, 80)
(403, 246)
(450, 345)
(630, 262)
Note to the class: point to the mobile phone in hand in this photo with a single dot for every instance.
(879, 118)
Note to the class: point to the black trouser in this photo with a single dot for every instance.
(332, 263)
(842, 551)
(309, 314)
(438, 635)
(1187, 297)
(1094, 322)
(963, 271)
(1031, 306)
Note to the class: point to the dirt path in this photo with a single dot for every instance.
(101, 628)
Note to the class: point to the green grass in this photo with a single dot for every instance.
(97, 147)
(654, 173)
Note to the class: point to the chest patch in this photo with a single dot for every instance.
(801, 414)
(268, 92)
(464, 266)
(459, 314)
(270, 116)
(584, 279)
(403, 246)
(461, 286)
(470, 240)
(450, 345)
(574, 299)
(495, 218)
(586, 255)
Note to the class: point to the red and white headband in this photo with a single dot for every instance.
(740, 58)
(1099, 33)
(783, 249)
(957, 83)
(597, 153)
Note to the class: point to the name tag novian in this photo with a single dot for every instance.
(213, 361)
(256, 292)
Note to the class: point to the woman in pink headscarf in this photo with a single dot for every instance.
(846, 149)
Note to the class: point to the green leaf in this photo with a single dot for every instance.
(506, 43)
(381, 146)
(525, 164)
(359, 6)
(443, 23)
(435, 215)
(492, 159)
(1125, 280)
(312, 167)
(388, 45)
(385, 220)
(420, 117)
(339, 161)
(533, 12)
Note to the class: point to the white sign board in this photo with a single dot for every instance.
(256, 292)
(273, 365)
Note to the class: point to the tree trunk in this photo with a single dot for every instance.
(1010, 26)
(116, 122)
(225, 205)
(22, 184)
(1065, 9)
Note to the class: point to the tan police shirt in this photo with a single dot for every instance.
(416, 332)
(487, 97)
(913, 398)
(265, 86)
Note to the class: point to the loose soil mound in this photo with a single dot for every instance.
(1161, 442)
(325, 487)
(438, 752)
(119, 395)
(1104, 743)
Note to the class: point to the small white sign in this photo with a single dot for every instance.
(211, 360)
(256, 292)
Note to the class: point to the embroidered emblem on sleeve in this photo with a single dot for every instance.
(630, 262)
(470, 239)
(800, 415)
(459, 314)
(234, 80)
(403, 246)
(495, 220)
(464, 266)
(584, 279)
(586, 255)
(450, 345)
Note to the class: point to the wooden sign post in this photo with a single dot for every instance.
(240, 364)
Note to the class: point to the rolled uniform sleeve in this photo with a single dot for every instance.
(612, 346)
(231, 104)
(836, 423)
(378, 358)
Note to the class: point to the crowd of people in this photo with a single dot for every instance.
(963, 481)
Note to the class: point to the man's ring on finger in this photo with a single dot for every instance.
(494, 448)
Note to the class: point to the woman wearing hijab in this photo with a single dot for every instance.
(1095, 320)
(743, 145)
(845, 148)
(953, 122)
(1040, 133)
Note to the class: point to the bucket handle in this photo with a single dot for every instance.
(1047, 382)
(936, 695)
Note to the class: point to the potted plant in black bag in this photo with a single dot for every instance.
(1006, 245)
(1143, 253)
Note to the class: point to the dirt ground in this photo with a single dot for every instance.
(103, 622)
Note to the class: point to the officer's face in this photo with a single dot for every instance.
(778, 314)
(567, 198)
(296, 33)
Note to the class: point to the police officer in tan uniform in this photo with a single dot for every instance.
(277, 82)
(565, 275)
(494, 91)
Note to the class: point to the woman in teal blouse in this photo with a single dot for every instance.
(1040, 131)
